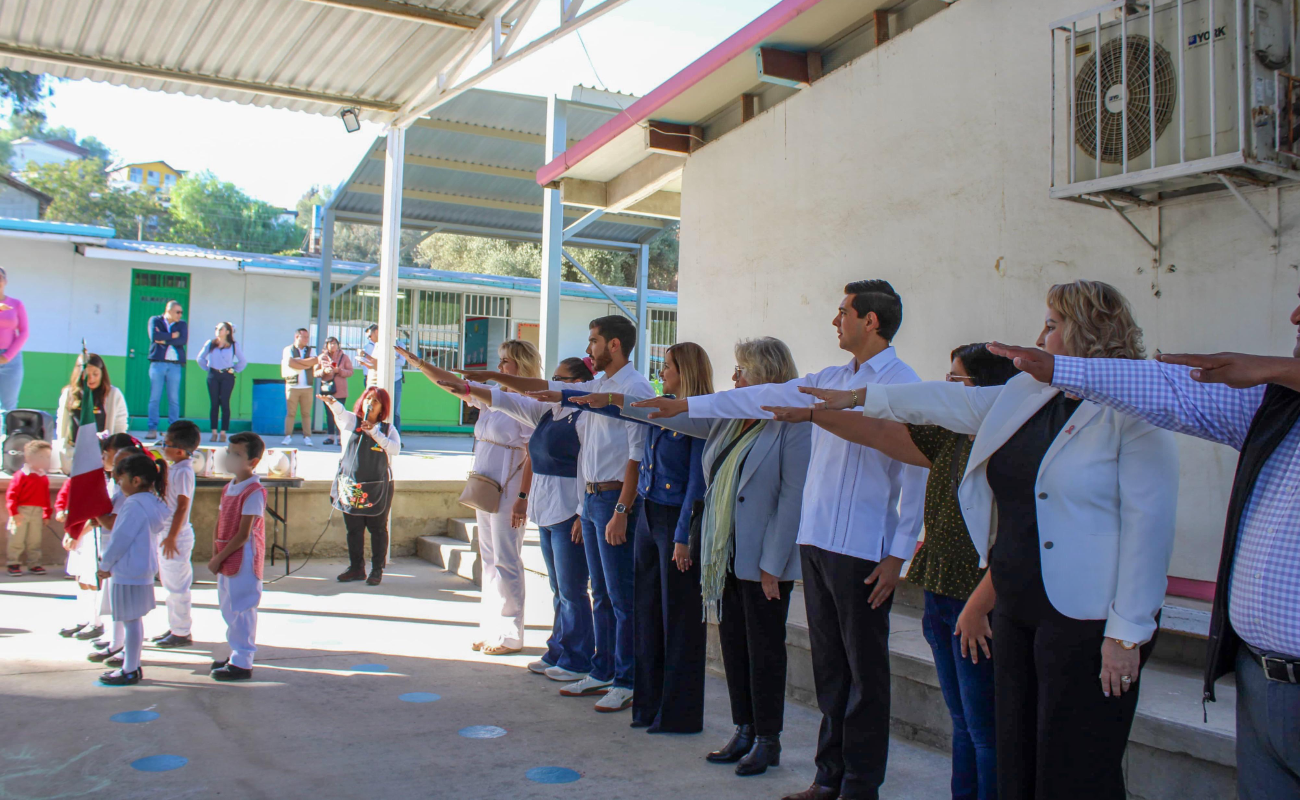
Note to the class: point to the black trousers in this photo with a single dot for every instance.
(331, 427)
(220, 386)
(667, 628)
(751, 632)
(357, 526)
(1059, 737)
(850, 652)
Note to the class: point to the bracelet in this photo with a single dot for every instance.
(853, 399)
(610, 400)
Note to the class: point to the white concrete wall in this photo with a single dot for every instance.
(925, 162)
(16, 204)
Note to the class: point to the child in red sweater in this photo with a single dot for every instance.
(28, 502)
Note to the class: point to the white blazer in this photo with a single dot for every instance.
(1107, 490)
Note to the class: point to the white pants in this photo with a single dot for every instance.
(177, 575)
(239, 596)
(500, 549)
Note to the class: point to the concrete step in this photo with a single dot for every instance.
(1172, 753)
(453, 555)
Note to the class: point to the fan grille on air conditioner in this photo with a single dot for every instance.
(1138, 99)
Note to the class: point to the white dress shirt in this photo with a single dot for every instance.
(553, 497)
(391, 443)
(611, 442)
(856, 501)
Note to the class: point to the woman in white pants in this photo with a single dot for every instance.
(500, 453)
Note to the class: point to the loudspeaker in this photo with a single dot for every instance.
(23, 425)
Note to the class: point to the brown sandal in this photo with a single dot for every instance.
(477, 646)
(500, 650)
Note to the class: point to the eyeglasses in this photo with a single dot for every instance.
(739, 369)
(565, 378)
(955, 378)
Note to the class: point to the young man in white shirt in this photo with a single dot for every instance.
(861, 516)
(295, 367)
(610, 461)
(368, 363)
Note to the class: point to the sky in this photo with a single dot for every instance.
(275, 155)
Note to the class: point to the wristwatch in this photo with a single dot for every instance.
(1124, 644)
(620, 509)
(523, 495)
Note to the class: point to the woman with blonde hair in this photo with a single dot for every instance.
(745, 553)
(501, 454)
(1072, 507)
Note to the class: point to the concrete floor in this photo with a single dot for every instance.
(311, 725)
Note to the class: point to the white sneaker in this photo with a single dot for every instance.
(616, 699)
(306, 442)
(286, 441)
(538, 667)
(562, 674)
(586, 687)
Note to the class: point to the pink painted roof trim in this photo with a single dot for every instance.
(737, 44)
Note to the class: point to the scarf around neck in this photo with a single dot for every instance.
(719, 523)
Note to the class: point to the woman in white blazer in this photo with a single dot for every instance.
(109, 405)
(1072, 506)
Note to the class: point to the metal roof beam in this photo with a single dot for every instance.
(408, 12)
(636, 190)
(481, 130)
(444, 86)
(362, 218)
(500, 205)
(194, 79)
(464, 166)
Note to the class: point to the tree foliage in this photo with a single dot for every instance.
(209, 212)
(32, 123)
(81, 194)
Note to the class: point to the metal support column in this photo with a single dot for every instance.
(323, 298)
(390, 240)
(642, 313)
(552, 237)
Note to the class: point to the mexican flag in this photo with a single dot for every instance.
(87, 491)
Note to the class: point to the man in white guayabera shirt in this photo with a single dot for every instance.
(861, 516)
(610, 461)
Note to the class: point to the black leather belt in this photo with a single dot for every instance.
(604, 486)
(1276, 668)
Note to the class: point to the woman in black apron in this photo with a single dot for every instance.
(363, 487)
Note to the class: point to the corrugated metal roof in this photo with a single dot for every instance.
(472, 166)
(350, 269)
(55, 228)
(321, 50)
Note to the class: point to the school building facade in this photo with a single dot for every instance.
(79, 283)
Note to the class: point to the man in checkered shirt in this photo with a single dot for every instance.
(1251, 403)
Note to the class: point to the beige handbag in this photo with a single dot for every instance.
(483, 493)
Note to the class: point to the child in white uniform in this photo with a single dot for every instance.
(132, 559)
(239, 546)
(177, 543)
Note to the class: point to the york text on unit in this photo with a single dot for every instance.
(1198, 39)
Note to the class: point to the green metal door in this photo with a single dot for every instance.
(150, 292)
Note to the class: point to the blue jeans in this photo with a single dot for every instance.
(397, 405)
(164, 373)
(612, 569)
(572, 636)
(11, 380)
(968, 691)
(1268, 717)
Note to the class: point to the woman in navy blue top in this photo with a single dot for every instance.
(668, 696)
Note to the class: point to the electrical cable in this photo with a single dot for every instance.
(309, 552)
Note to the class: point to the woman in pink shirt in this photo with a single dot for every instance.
(13, 335)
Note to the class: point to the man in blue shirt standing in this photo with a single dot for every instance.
(168, 335)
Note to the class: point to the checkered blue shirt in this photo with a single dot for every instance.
(1264, 592)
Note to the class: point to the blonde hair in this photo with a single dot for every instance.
(525, 356)
(694, 367)
(1096, 320)
(765, 360)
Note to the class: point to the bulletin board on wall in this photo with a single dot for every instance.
(530, 332)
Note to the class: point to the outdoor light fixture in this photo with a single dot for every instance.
(351, 122)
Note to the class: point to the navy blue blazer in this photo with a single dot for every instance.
(158, 333)
(671, 472)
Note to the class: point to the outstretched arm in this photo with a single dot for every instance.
(515, 382)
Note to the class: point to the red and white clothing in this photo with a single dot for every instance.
(177, 572)
(239, 579)
(28, 488)
(28, 501)
(500, 447)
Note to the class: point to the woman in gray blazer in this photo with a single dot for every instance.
(754, 472)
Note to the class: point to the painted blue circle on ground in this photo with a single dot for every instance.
(135, 716)
(159, 763)
(420, 697)
(482, 732)
(552, 775)
(370, 668)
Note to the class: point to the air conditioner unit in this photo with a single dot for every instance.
(1163, 97)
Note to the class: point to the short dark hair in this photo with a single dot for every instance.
(372, 327)
(577, 368)
(984, 368)
(118, 441)
(616, 326)
(140, 465)
(302, 330)
(879, 297)
(184, 434)
(254, 447)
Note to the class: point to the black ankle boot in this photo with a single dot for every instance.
(741, 742)
(765, 753)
